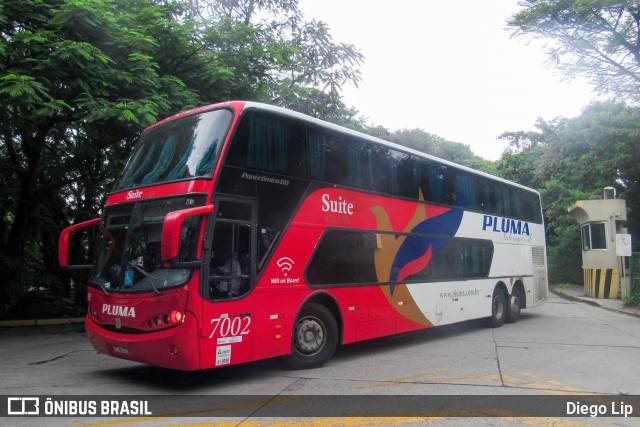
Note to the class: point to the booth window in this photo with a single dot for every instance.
(594, 236)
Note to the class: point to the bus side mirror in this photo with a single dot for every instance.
(172, 228)
(63, 244)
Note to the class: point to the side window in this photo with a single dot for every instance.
(532, 207)
(230, 266)
(343, 257)
(356, 170)
(594, 236)
(347, 257)
(379, 161)
(502, 201)
(466, 192)
(437, 175)
(458, 259)
(499, 199)
(329, 158)
(403, 181)
(269, 143)
(517, 206)
(483, 194)
(432, 181)
(336, 158)
(421, 174)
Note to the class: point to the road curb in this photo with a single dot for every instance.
(40, 322)
(565, 295)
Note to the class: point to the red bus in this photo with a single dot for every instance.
(241, 231)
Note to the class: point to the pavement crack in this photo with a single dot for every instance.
(529, 344)
(621, 330)
(53, 359)
(495, 346)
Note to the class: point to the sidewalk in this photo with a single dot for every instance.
(577, 294)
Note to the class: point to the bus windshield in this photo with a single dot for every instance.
(129, 247)
(180, 149)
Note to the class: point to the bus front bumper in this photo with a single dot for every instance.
(174, 348)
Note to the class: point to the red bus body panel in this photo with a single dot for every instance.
(155, 349)
(171, 345)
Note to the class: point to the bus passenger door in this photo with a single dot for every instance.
(227, 330)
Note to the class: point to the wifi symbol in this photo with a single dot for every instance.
(286, 264)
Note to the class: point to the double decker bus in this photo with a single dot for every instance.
(241, 231)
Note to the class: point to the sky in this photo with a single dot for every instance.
(450, 68)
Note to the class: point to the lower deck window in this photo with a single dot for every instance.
(348, 257)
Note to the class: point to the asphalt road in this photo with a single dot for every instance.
(561, 348)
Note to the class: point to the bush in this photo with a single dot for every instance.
(633, 299)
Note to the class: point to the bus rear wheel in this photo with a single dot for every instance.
(315, 338)
(515, 306)
(498, 308)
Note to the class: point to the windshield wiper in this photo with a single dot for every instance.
(151, 278)
(99, 283)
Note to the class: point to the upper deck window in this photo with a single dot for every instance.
(180, 149)
(269, 143)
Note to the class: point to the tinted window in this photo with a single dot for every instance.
(501, 200)
(273, 144)
(336, 158)
(347, 257)
(402, 175)
(432, 181)
(459, 259)
(465, 190)
(343, 256)
(380, 169)
(532, 206)
(269, 144)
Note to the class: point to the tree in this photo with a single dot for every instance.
(289, 61)
(77, 78)
(80, 79)
(596, 39)
(573, 159)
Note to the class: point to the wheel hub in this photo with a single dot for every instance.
(309, 336)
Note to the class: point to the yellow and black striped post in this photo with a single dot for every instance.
(601, 283)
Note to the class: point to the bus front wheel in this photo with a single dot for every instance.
(315, 338)
(498, 308)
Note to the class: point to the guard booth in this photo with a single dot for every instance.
(604, 240)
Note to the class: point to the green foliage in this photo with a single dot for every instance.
(633, 299)
(266, 51)
(599, 40)
(79, 79)
(573, 159)
(567, 286)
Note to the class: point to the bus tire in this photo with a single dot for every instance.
(315, 338)
(498, 308)
(515, 305)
